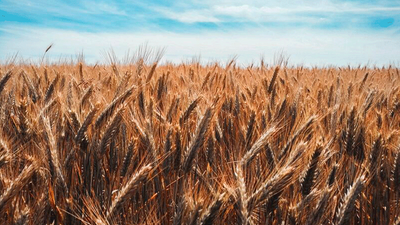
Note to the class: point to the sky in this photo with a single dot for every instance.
(309, 33)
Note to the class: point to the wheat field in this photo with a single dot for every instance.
(198, 144)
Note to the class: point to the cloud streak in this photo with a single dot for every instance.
(304, 46)
(306, 14)
(315, 32)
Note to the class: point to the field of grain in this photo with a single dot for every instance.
(199, 144)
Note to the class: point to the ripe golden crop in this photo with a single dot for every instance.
(198, 144)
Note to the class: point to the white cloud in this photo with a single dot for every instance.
(308, 46)
(190, 16)
(28, 7)
(61, 8)
(240, 10)
(95, 7)
(273, 11)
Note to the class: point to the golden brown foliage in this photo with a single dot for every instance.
(192, 144)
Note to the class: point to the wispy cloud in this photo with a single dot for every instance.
(95, 7)
(305, 46)
(310, 14)
(242, 10)
(61, 8)
(319, 32)
(191, 16)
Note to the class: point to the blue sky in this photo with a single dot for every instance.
(311, 32)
